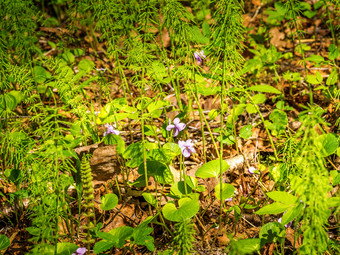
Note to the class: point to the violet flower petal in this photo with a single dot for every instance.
(169, 127)
(180, 126)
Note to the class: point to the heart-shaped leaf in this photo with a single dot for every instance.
(187, 209)
(109, 201)
(212, 169)
(227, 191)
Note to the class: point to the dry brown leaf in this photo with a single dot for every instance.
(277, 37)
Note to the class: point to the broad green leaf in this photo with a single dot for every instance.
(102, 246)
(176, 150)
(4, 242)
(85, 65)
(68, 57)
(39, 74)
(134, 152)
(279, 119)
(158, 170)
(162, 155)
(335, 177)
(122, 234)
(187, 209)
(212, 169)
(7, 102)
(246, 132)
(259, 98)
(115, 140)
(66, 248)
(272, 232)
(141, 237)
(332, 78)
(265, 89)
(274, 208)
(251, 108)
(177, 190)
(150, 198)
(78, 52)
(329, 144)
(314, 79)
(205, 29)
(109, 201)
(291, 214)
(213, 114)
(315, 58)
(246, 246)
(227, 191)
(17, 95)
(333, 52)
(283, 197)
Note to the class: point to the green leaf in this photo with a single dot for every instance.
(259, 98)
(4, 242)
(213, 114)
(333, 52)
(329, 144)
(173, 147)
(246, 132)
(332, 78)
(134, 152)
(212, 169)
(78, 52)
(283, 197)
(158, 170)
(109, 201)
(150, 198)
(274, 208)
(335, 176)
(66, 248)
(68, 57)
(227, 191)
(39, 74)
(265, 89)
(122, 234)
(187, 209)
(279, 119)
(251, 108)
(141, 237)
(314, 79)
(315, 58)
(85, 65)
(272, 232)
(177, 190)
(291, 214)
(102, 246)
(115, 140)
(246, 246)
(206, 29)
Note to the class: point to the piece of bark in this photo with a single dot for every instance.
(104, 162)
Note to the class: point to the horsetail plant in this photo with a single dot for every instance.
(86, 178)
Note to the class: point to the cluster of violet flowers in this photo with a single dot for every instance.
(187, 147)
(110, 130)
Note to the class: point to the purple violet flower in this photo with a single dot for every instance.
(199, 56)
(177, 126)
(229, 199)
(110, 130)
(80, 251)
(187, 147)
(251, 170)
